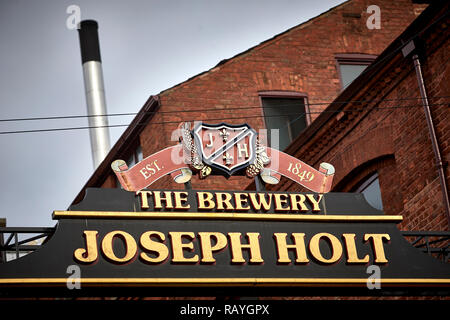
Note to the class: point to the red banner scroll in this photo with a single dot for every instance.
(152, 168)
(283, 164)
(171, 161)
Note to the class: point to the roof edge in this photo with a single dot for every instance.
(135, 127)
(255, 47)
(393, 51)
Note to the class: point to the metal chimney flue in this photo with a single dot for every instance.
(94, 89)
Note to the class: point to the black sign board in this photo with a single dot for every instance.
(186, 243)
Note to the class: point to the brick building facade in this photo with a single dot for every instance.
(355, 102)
(373, 126)
(301, 63)
(354, 93)
(383, 129)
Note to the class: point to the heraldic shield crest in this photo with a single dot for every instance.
(222, 149)
(225, 148)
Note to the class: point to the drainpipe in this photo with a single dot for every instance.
(407, 49)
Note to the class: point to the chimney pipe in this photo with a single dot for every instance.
(94, 89)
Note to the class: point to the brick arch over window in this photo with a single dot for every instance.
(386, 169)
(353, 179)
(372, 152)
(374, 144)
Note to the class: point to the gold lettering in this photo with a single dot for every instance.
(314, 202)
(205, 200)
(90, 254)
(161, 250)
(301, 202)
(253, 246)
(279, 202)
(242, 148)
(224, 198)
(261, 201)
(178, 246)
(208, 248)
(377, 245)
(336, 247)
(130, 246)
(352, 253)
(240, 202)
(179, 200)
(158, 199)
(283, 247)
(143, 195)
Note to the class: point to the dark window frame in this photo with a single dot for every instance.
(280, 94)
(136, 156)
(366, 182)
(352, 59)
(132, 153)
(286, 95)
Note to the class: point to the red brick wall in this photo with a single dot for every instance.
(390, 137)
(301, 60)
(422, 195)
(393, 138)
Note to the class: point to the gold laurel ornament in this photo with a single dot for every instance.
(261, 159)
(195, 161)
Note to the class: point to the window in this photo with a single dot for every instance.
(370, 188)
(350, 66)
(133, 159)
(285, 112)
(350, 72)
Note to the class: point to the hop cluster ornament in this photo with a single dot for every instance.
(195, 160)
(261, 159)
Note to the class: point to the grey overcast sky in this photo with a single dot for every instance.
(146, 47)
